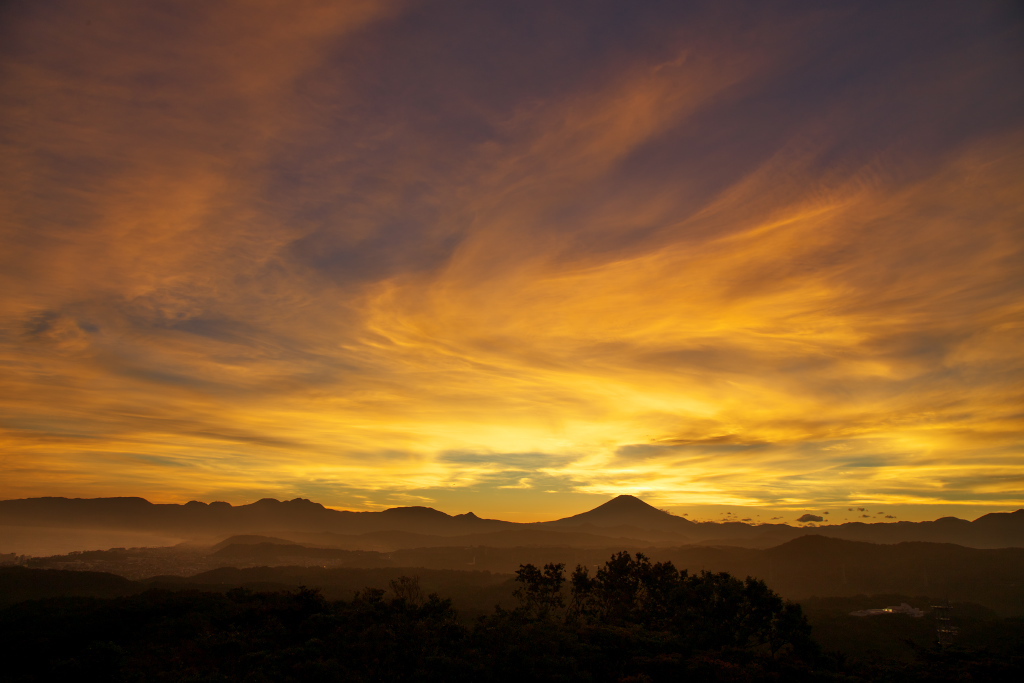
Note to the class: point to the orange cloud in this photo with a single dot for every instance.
(326, 250)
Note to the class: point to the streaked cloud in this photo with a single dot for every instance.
(373, 252)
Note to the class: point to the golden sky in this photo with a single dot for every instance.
(515, 257)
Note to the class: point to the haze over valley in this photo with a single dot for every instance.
(477, 563)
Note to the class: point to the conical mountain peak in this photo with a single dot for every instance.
(626, 510)
(627, 502)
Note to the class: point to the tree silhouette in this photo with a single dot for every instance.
(540, 592)
(706, 610)
(407, 588)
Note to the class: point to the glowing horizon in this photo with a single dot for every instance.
(515, 258)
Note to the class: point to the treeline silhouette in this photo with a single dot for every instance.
(633, 620)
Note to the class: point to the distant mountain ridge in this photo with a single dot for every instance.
(265, 515)
(624, 518)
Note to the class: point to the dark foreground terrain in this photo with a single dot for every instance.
(631, 620)
(806, 567)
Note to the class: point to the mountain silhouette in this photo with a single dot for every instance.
(267, 516)
(623, 512)
(623, 517)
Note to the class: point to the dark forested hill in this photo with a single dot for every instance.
(18, 584)
(629, 620)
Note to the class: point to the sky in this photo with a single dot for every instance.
(517, 256)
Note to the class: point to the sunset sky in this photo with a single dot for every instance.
(515, 256)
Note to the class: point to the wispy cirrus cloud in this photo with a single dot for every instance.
(441, 250)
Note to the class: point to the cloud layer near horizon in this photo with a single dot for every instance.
(389, 253)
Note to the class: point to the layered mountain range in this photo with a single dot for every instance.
(798, 569)
(625, 520)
